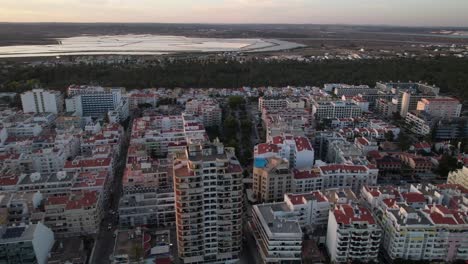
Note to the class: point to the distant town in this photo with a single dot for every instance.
(344, 173)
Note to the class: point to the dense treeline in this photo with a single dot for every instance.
(451, 74)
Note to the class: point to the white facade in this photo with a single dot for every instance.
(418, 122)
(444, 107)
(95, 102)
(42, 101)
(459, 177)
(278, 239)
(334, 176)
(29, 243)
(335, 109)
(352, 234)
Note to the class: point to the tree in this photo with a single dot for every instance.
(235, 101)
(404, 141)
(447, 164)
(389, 136)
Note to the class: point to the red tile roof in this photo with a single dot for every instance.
(101, 162)
(413, 197)
(8, 181)
(305, 174)
(278, 140)
(84, 199)
(296, 198)
(346, 214)
(267, 148)
(302, 143)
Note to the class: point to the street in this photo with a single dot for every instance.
(104, 243)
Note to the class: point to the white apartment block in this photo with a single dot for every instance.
(352, 90)
(95, 101)
(352, 234)
(208, 197)
(419, 122)
(335, 109)
(312, 208)
(422, 222)
(25, 243)
(386, 107)
(48, 160)
(42, 101)
(459, 177)
(334, 176)
(443, 107)
(272, 103)
(278, 240)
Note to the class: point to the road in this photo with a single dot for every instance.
(104, 245)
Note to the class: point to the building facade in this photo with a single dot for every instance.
(208, 199)
(42, 101)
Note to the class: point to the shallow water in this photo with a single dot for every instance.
(142, 45)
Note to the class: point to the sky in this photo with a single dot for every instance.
(379, 12)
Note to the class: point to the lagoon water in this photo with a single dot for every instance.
(143, 45)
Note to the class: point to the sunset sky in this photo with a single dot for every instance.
(391, 12)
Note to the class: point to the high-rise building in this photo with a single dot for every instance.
(352, 234)
(42, 101)
(445, 107)
(208, 199)
(279, 240)
(271, 179)
(95, 101)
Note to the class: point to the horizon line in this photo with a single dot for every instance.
(240, 23)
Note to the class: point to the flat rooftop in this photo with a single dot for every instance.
(274, 224)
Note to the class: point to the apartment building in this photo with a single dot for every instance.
(278, 240)
(48, 184)
(422, 222)
(407, 94)
(295, 121)
(443, 107)
(352, 234)
(272, 178)
(417, 164)
(419, 122)
(42, 101)
(272, 102)
(148, 195)
(352, 90)
(335, 109)
(386, 107)
(296, 149)
(459, 177)
(95, 101)
(207, 111)
(20, 207)
(25, 244)
(75, 214)
(137, 98)
(334, 176)
(161, 133)
(312, 208)
(208, 198)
